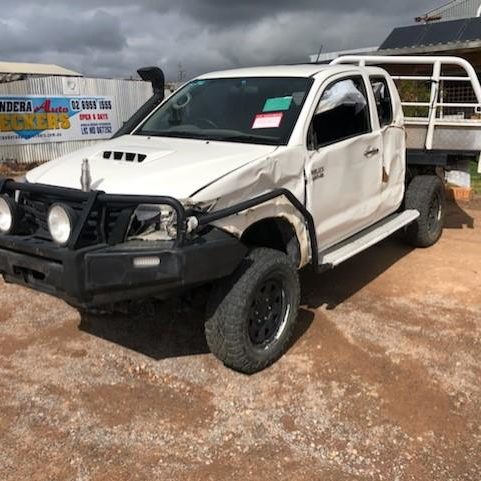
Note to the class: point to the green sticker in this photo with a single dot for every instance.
(278, 104)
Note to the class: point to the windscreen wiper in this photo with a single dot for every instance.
(174, 134)
(256, 139)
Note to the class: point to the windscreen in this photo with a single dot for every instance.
(250, 110)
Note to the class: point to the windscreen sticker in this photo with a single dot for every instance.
(268, 121)
(278, 104)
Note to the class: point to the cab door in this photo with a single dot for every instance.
(344, 161)
(393, 134)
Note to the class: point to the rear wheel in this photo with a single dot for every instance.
(251, 316)
(426, 194)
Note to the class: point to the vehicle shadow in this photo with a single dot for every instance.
(457, 217)
(334, 287)
(162, 330)
(156, 329)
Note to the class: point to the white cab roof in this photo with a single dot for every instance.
(305, 70)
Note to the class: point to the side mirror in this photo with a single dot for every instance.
(342, 93)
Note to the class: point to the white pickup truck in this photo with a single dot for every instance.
(235, 183)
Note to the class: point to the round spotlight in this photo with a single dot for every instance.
(7, 214)
(61, 221)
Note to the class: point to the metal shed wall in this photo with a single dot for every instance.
(128, 95)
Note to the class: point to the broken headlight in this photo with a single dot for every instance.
(153, 223)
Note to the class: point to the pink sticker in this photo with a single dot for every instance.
(268, 121)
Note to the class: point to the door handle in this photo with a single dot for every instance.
(371, 151)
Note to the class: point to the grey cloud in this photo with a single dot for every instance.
(57, 32)
(224, 13)
(115, 37)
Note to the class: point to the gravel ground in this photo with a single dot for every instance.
(382, 383)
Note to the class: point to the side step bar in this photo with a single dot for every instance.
(340, 253)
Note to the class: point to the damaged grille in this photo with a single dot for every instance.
(105, 224)
(100, 218)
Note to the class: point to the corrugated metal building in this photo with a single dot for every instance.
(452, 29)
(128, 96)
(10, 71)
(461, 37)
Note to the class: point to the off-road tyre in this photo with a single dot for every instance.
(243, 309)
(426, 194)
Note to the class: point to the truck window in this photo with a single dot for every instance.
(342, 113)
(247, 110)
(383, 100)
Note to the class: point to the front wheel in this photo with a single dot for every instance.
(252, 315)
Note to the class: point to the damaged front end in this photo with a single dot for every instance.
(93, 248)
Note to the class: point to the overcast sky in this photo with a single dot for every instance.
(112, 38)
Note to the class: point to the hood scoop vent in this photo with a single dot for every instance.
(124, 156)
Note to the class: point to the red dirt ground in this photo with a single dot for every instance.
(383, 382)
